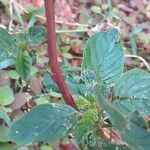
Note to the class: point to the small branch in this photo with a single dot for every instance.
(142, 59)
(56, 72)
(72, 23)
(73, 31)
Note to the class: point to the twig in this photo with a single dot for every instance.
(61, 22)
(142, 59)
(72, 24)
(44, 95)
(60, 31)
(56, 72)
(72, 31)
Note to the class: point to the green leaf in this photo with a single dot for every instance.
(5, 146)
(47, 123)
(75, 87)
(104, 56)
(6, 96)
(49, 83)
(116, 118)
(90, 116)
(4, 134)
(21, 37)
(89, 79)
(91, 140)
(133, 128)
(140, 27)
(133, 45)
(4, 2)
(34, 70)
(109, 146)
(7, 62)
(5, 117)
(136, 132)
(23, 63)
(135, 31)
(41, 100)
(37, 35)
(45, 147)
(13, 74)
(8, 47)
(33, 13)
(82, 131)
(33, 55)
(132, 92)
(82, 103)
(85, 126)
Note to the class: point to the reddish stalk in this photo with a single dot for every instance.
(56, 71)
(69, 146)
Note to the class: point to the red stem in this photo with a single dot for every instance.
(70, 146)
(56, 72)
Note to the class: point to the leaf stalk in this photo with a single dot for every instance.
(53, 59)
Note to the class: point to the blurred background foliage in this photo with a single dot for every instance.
(76, 20)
